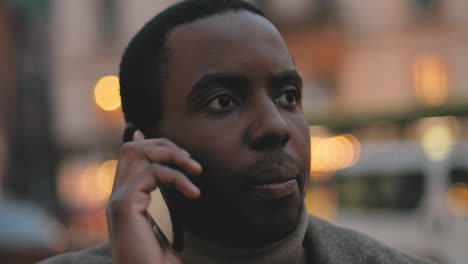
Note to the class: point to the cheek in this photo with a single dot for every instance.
(219, 153)
(300, 139)
(216, 145)
(220, 162)
(300, 144)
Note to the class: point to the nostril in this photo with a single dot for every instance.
(285, 140)
(270, 141)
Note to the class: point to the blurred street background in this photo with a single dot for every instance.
(386, 96)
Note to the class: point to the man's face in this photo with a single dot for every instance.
(232, 100)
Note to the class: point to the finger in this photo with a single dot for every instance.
(119, 174)
(157, 174)
(164, 142)
(144, 154)
(133, 153)
(127, 157)
(134, 197)
(169, 143)
(170, 156)
(129, 166)
(135, 167)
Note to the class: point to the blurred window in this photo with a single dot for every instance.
(108, 21)
(296, 12)
(424, 5)
(459, 175)
(380, 190)
(457, 199)
(427, 8)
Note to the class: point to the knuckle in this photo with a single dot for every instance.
(154, 166)
(139, 149)
(142, 198)
(118, 209)
(113, 209)
(156, 169)
(174, 153)
(164, 169)
(166, 141)
(163, 173)
(163, 140)
(116, 201)
(109, 211)
(127, 148)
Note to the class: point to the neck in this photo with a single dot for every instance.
(285, 250)
(241, 235)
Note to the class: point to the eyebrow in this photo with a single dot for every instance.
(212, 80)
(291, 76)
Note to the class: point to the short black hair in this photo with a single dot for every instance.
(142, 68)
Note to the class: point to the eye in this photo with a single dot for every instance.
(221, 102)
(288, 98)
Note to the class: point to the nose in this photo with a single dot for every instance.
(268, 129)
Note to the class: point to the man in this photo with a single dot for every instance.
(212, 100)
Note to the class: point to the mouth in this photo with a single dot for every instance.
(273, 183)
(274, 176)
(275, 190)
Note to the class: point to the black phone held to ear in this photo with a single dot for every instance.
(160, 213)
(163, 219)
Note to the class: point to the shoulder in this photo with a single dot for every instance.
(328, 243)
(100, 255)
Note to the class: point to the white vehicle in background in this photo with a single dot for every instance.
(397, 194)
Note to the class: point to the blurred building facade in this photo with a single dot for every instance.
(358, 57)
(25, 104)
(368, 57)
(86, 50)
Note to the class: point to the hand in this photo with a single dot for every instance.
(142, 167)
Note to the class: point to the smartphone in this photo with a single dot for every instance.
(162, 218)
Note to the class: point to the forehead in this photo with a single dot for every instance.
(233, 42)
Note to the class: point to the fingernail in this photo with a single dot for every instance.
(195, 163)
(196, 191)
(138, 135)
(185, 152)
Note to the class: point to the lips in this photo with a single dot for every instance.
(275, 175)
(270, 176)
(275, 190)
(274, 182)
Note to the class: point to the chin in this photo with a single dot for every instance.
(275, 216)
(270, 221)
(243, 224)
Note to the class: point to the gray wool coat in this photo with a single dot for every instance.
(324, 243)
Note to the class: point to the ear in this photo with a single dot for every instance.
(130, 129)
